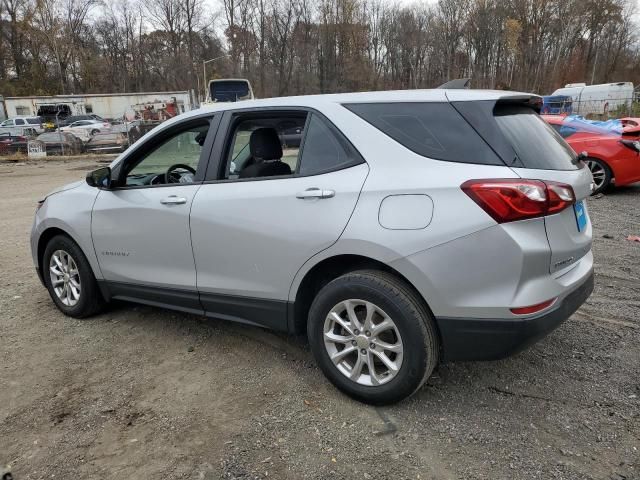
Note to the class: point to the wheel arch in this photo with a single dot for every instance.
(45, 237)
(328, 269)
(607, 164)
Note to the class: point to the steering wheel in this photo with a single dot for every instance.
(173, 177)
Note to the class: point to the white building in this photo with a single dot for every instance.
(107, 105)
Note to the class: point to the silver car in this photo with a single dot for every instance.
(404, 229)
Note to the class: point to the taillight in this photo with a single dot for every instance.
(509, 200)
(632, 144)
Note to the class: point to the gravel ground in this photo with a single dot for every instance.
(139, 392)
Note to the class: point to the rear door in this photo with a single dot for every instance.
(540, 153)
(251, 235)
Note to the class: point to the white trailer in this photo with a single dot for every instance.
(598, 99)
(106, 105)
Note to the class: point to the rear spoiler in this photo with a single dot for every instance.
(531, 101)
(457, 84)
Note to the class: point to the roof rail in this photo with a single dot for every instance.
(457, 83)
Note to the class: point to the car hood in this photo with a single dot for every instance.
(63, 188)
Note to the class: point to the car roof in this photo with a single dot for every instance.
(389, 96)
(322, 100)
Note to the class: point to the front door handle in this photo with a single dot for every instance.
(173, 200)
(315, 193)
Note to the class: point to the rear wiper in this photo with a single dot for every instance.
(581, 156)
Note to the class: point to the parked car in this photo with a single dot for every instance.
(54, 114)
(597, 99)
(22, 125)
(86, 128)
(557, 104)
(411, 228)
(612, 154)
(12, 143)
(107, 142)
(75, 118)
(60, 143)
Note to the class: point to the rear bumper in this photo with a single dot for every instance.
(492, 339)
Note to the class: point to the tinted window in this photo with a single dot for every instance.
(286, 128)
(33, 121)
(324, 151)
(228, 90)
(535, 142)
(19, 121)
(434, 130)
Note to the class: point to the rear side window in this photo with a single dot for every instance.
(536, 144)
(323, 151)
(431, 129)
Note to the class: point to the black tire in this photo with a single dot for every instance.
(93, 132)
(411, 317)
(606, 180)
(90, 299)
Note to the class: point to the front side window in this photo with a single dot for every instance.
(174, 160)
(265, 146)
(7, 123)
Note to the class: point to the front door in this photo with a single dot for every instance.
(276, 202)
(140, 228)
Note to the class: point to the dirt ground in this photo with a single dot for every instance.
(144, 393)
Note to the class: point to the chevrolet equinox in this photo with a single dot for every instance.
(396, 230)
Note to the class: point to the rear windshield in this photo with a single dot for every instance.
(535, 142)
(431, 129)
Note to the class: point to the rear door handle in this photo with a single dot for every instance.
(173, 200)
(315, 193)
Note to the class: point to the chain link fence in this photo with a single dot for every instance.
(595, 108)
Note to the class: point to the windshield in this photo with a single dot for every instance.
(535, 143)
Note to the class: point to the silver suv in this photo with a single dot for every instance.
(401, 229)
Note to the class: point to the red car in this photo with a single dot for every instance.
(612, 154)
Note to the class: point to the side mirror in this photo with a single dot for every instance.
(100, 178)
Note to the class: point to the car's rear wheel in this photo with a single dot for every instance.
(94, 132)
(372, 336)
(601, 174)
(69, 278)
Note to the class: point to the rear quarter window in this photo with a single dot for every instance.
(431, 129)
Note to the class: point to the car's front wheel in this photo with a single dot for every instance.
(372, 336)
(69, 278)
(601, 174)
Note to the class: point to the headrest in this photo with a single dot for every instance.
(265, 144)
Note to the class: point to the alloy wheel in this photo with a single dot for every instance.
(65, 278)
(363, 342)
(598, 172)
